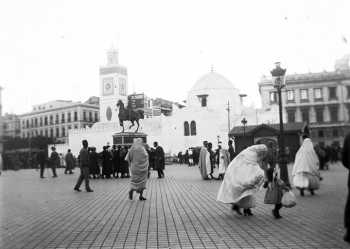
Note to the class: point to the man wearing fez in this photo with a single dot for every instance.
(159, 159)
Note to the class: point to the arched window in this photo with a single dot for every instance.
(186, 129)
(193, 128)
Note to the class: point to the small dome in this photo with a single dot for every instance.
(211, 81)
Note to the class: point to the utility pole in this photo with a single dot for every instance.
(228, 116)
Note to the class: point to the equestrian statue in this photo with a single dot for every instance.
(129, 114)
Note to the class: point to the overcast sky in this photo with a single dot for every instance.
(53, 49)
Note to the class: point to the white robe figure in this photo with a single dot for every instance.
(305, 170)
(243, 177)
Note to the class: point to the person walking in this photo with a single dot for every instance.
(41, 158)
(159, 158)
(346, 163)
(305, 172)
(244, 177)
(69, 158)
(54, 161)
(138, 159)
(84, 168)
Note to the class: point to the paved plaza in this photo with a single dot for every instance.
(181, 212)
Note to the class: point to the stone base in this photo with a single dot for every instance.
(127, 138)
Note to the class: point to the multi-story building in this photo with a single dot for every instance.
(150, 107)
(11, 126)
(320, 99)
(56, 118)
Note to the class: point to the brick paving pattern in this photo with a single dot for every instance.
(180, 212)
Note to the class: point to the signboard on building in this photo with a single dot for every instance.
(136, 101)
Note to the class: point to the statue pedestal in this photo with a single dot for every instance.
(127, 138)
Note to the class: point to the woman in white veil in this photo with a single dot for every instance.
(243, 178)
(305, 170)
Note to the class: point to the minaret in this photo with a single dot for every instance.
(112, 57)
(113, 86)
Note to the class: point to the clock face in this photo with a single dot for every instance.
(108, 86)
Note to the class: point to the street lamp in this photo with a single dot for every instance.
(278, 80)
(244, 123)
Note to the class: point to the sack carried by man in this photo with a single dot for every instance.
(288, 199)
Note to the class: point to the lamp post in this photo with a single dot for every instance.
(244, 123)
(278, 80)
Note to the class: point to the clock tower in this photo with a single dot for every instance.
(113, 87)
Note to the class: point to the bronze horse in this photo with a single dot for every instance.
(129, 115)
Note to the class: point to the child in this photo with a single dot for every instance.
(274, 192)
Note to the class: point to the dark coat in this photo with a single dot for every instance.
(54, 159)
(232, 152)
(41, 157)
(346, 163)
(124, 165)
(159, 158)
(106, 163)
(93, 163)
(115, 161)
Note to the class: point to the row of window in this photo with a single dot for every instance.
(304, 94)
(322, 133)
(319, 111)
(57, 132)
(49, 120)
(190, 129)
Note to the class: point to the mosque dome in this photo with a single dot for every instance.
(212, 81)
(213, 91)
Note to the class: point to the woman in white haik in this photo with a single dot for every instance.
(305, 170)
(244, 177)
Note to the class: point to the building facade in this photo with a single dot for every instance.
(56, 118)
(11, 126)
(320, 99)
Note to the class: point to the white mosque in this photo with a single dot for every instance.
(204, 118)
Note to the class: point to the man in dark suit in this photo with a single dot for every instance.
(346, 163)
(41, 157)
(84, 168)
(54, 161)
(159, 159)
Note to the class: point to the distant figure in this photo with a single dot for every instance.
(1, 163)
(62, 161)
(69, 158)
(244, 177)
(137, 157)
(124, 165)
(321, 154)
(190, 157)
(106, 163)
(115, 161)
(159, 159)
(305, 170)
(94, 168)
(231, 150)
(54, 161)
(212, 159)
(204, 164)
(84, 168)
(223, 160)
(346, 163)
(41, 158)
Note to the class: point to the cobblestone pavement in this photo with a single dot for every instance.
(181, 212)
